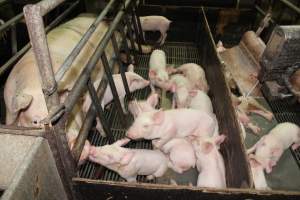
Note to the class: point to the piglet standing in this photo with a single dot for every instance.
(181, 154)
(165, 125)
(129, 163)
(156, 23)
(270, 147)
(157, 69)
(210, 163)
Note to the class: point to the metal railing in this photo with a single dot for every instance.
(58, 112)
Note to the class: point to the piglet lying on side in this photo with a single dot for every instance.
(129, 163)
(181, 154)
(270, 147)
(156, 23)
(210, 163)
(165, 125)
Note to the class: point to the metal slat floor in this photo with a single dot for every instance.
(177, 54)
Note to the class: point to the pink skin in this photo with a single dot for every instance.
(85, 151)
(210, 163)
(195, 74)
(258, 174)
(129, 163)
(270, 147)
(165, 125)
(200, 101)
(220, 47)
(156, 23)
(137, 107)
(135, 82)
(181, 154)
(245, 120)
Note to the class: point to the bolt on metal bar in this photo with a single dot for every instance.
(70, 59)
(131, 38)
(291, 5)
(122, 71)
(39, 44)
(136, 30)
(81, 82)
(113, 88)
(20, 53)
(11, 22)
(123, 35)
(99, 110)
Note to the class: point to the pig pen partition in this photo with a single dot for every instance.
(95, 181)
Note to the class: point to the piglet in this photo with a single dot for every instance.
(129, 163)
(270, 147)
(181, 154)
(156, 23)
(181, 86)
(210, 163)
(157, 69)
(134, 81)
(295, 81)
(135, 107)
(195, 74)
(258, 174)
(165, 125)
(200, 100)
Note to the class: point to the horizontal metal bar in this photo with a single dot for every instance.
(291, 5)
(11, 22)
(20, 53)
(48, 5)
(70, 59)
(81, 82)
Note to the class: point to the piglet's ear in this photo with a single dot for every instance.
(127, 157)
(131, 68)
(153, 99)
(158, 117)
(206, 147)
(152, 73)
(220, 139)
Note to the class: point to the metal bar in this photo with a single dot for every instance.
(260, 11)
(70, 59)
(290, 5)
(136, 30)
(20, 53)
(48, 5)
(131, 38)
(35, 26)
(81, 82)
(99, 110)
(11, 22)
(3, 2)
(129, 60)
(14, 44)
(139, 24)
(113, 88)
(122, 71)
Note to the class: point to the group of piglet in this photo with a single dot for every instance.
(264, 154)
(183, 137)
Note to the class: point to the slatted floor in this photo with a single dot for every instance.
(177, 54)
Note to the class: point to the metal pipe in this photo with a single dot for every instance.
(123, 35)
(35, 26)
(139, 24)
(81, 82)
(20, 53)
(3, 2)
(70, 59)
(260, 11)
(122, 71)
(11, 22)
(48, 5)
(14, 44)
(137, 31)
(131, 38)
(113, 88)
(291, 5)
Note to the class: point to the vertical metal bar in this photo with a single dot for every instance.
(136, 30)
(99, 110)
(124, 38)
(113, 88)
(122, 71)
(14, 44)
(139, 24)
(131, 37)
(39, 44)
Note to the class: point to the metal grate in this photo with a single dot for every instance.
(177, 54)
(285, 111)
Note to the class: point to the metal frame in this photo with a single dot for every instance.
(65, 162)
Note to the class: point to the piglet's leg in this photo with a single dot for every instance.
(164, 36)
(123, 105)
(267, 115)
(150, 177)
(255, 129)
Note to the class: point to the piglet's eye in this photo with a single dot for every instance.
(35, 122)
